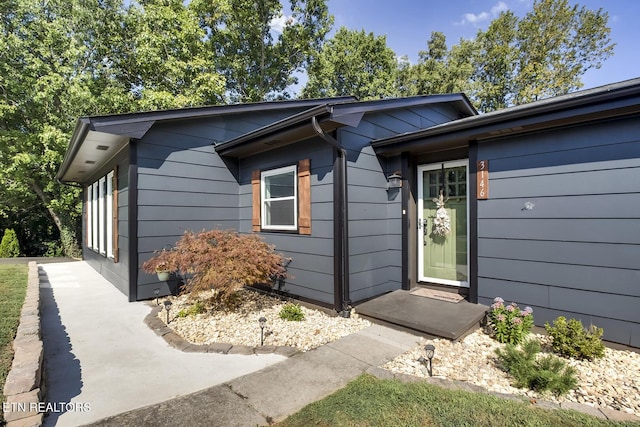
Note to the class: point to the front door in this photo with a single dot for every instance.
(442, 223)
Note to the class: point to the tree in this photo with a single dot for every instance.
(515, 61)
(353, 63)
(62, 59)
(438, 70)
(9, 247)
(257, 59)
(160, 55)
(495, 63)
(557, 44)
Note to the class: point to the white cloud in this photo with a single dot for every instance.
(473, 18)
(477, 18)
(278, 23)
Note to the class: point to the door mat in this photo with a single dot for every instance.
(439, 295)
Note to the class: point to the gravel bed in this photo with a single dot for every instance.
(241, 326)
(612, 381)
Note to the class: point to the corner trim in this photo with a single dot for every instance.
(133, 221)
(473, 222)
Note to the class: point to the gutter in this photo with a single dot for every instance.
(341, 224)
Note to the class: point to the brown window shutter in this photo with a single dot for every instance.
(255, 188)
(114, 186)
(304, 196)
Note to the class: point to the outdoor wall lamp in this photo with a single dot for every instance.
(429, 350)
(156, 292)
(394, 180)
(263, 322)
(167, 307)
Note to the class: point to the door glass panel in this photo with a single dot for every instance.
(445, 256)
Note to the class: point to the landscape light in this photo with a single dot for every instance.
(167, 307)
(428, 362)
(263, 322)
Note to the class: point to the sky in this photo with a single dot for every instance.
(408, 24)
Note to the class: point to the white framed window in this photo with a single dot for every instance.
(89, 217)
(101, 221)
(109, 214)
(94, 220)
(279, 194)
(102, 187)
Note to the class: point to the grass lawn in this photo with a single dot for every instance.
(13, 288)
(368, 401)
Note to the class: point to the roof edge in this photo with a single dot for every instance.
(545, 106)
(77, 138)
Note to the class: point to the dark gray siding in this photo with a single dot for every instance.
(576, 252)
(116, 273)
(183, 185)
(311, 268)
(375, 214)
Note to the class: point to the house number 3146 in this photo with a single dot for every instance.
(483, 180)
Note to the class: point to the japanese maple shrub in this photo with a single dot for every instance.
(223, 260)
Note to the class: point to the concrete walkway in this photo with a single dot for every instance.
(279, 390)
(100, 353)
(101, 359)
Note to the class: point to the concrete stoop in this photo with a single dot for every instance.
(424, 315)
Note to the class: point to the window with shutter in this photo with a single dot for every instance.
(281, 198)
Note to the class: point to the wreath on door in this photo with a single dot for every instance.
(442, 222)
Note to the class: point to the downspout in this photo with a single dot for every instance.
(342, 232)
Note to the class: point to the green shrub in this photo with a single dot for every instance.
(223, 260)
(508, 323)
(571, 339)
(292, 312)
(197, 308)
(546, 373)
(9, 246)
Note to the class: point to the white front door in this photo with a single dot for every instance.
(443, 245)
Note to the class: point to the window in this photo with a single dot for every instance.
(101, 216)
(279, 199)
(282, 198)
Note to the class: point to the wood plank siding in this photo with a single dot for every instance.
(576, 252)
(311, 268)
(184, 185)
(375, 214)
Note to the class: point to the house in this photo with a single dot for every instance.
(539, 202)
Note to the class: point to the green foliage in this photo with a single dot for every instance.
(13, 288)
(515, 60)
(9, 246)
(196, 308)
(223, 260)
(353, 63)
(571, 339)
(508, 323)
(546, 373)
(256, 48)
(368, 401)
(291, 312)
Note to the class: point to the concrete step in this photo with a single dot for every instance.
(424, 315)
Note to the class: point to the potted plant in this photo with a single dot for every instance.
(163, 272)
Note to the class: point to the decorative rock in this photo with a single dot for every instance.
(241, 327)
(610, 382)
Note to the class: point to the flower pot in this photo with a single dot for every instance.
(163, 276)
